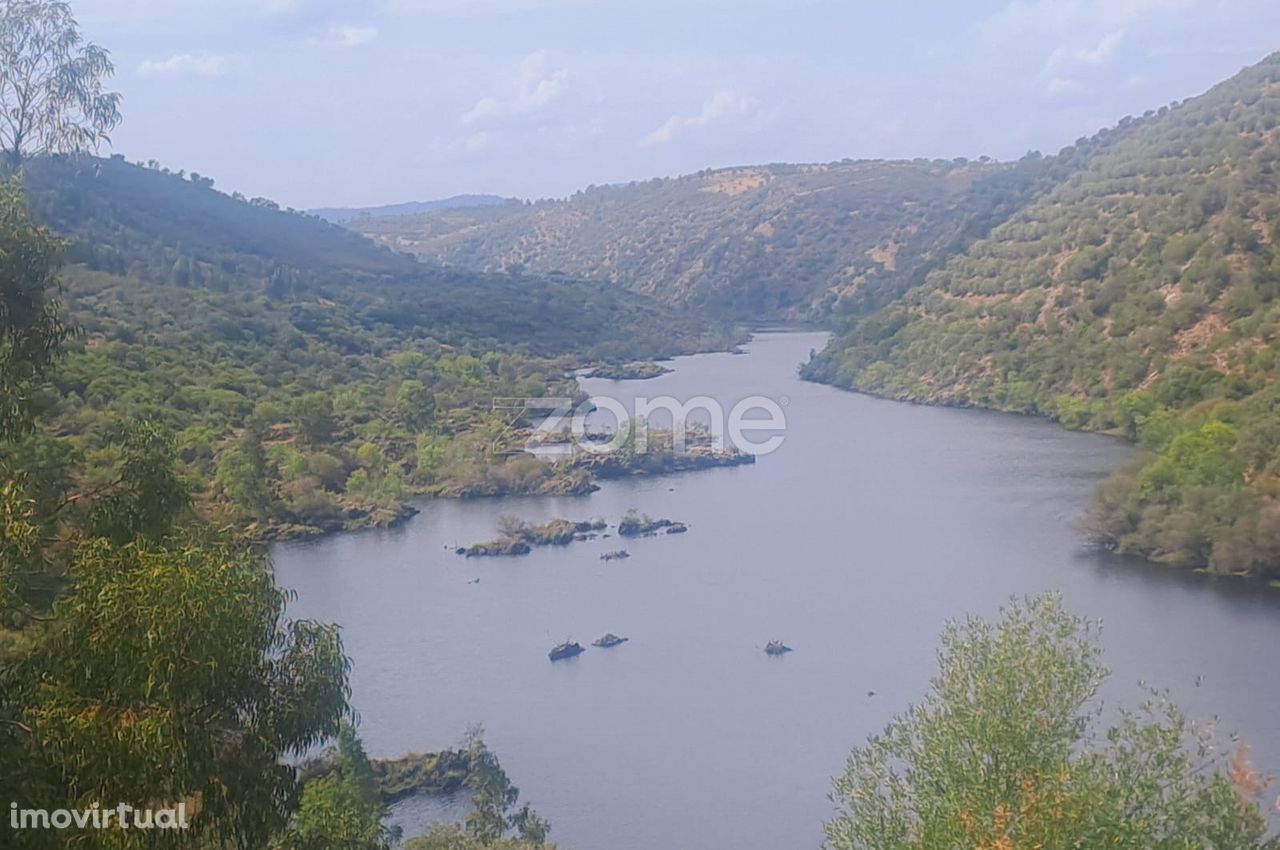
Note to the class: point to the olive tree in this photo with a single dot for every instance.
(51, 83)
(1006, 752)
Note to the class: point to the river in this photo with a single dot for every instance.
(854, 542)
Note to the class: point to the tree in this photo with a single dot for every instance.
(1004, 753)
(51, 83)
(335, 816)
(493, 799)
(170, 673)
(314, 412)
(247, 475)
(416, 405)
(31, 331)
(341, 809)
(20, 546)
(148, 497)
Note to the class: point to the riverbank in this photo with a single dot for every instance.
(1117, 517)
(518, 474)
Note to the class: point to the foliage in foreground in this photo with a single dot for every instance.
(1008, 752)
(143, 658)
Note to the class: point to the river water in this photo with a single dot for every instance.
(872, 525)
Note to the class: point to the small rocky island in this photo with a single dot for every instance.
(609, 640)
(640, 370)
(696, 455)
(445, 772)
(636, 525)
(517, 537)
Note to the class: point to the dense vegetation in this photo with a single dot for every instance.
(1141, 295)
(767, 241)
(313, 380)
(1008, 751)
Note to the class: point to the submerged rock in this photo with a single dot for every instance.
(609, 640)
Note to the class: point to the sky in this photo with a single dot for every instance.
(364, 102)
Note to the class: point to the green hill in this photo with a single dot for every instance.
(765, 241)
(313, 379)
(1139, 295)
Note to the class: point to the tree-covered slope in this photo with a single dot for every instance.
(127, 214)
(760, 241)
(312, 379)
(150, 235)
(1142, 294)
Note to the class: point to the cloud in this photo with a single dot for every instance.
(197, 64)
(480, 8)
(721, 108)
(463, 146)
(534, 88)
(1065, 57)
(347, 35)
(1064, 63)
(1067, 17)
(1062, 87)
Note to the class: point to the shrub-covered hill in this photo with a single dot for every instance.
(312, 379)
(1139, 294)
(152, 235)
(125, 216)
(754, 242)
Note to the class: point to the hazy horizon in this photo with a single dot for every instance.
(315, 103)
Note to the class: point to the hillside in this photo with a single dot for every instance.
(341, 215)
(117, 209)
(312, 379)
(1138, 295)
(766, 241)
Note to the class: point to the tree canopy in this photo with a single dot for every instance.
(31, 328)
(52, 98)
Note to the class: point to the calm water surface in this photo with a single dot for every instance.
(871, 526)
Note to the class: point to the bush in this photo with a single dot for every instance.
(1005, 752)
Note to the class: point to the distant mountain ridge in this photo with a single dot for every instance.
(342, 215)
(760, 241)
